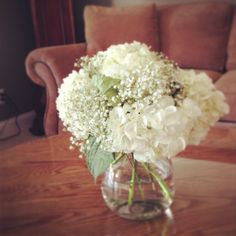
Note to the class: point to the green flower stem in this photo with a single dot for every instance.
(140, 186)
(161, 182)
(132, 184)
(151, 177)
(118, 158)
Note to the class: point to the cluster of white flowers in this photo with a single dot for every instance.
(134, 100)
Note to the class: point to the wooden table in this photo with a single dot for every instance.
(46, 190)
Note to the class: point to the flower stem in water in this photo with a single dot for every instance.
(132, 184)
(140, 186)
(161, 182)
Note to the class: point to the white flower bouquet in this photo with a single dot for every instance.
(129, 99)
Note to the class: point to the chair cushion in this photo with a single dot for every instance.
(105, 26)
(214, 75)
(231, 62)
(195, 35)
(227, 84)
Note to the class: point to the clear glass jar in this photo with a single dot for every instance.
(136, 190)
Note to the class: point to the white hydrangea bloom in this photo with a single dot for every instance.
(199, 88)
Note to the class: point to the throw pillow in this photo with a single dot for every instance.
(196, 35)
(105, 26)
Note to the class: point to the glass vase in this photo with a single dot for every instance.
(136, 190)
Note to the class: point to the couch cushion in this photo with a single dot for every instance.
(231, 62)
(105, 26)
(214, 75)
(227, 84)
(195, 35)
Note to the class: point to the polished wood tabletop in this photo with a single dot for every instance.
(46, 190)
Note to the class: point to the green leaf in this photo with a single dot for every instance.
(110, 93)
(104, 84)
(98, 160)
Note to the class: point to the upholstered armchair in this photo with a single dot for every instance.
(197, 36)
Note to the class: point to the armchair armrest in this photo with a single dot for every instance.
(47, 67)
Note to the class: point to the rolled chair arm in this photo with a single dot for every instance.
(47, 67)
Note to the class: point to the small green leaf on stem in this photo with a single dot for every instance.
(97, 159)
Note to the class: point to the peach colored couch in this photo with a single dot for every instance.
(197, 36)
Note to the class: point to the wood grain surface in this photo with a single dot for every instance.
(46, 190)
